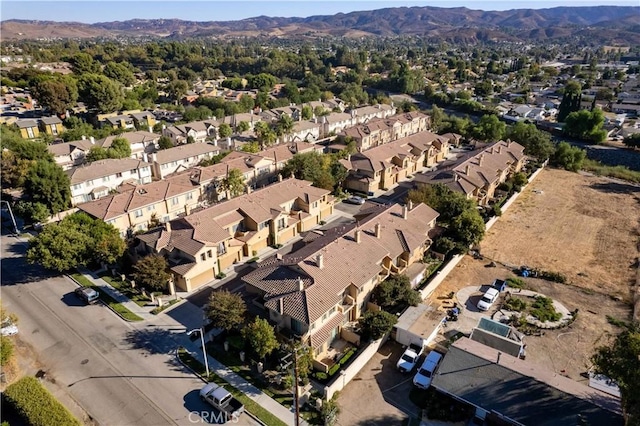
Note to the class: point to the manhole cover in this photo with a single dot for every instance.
(84, 361)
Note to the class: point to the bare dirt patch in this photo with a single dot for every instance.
(581, 226)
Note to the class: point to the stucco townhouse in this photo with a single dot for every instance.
(201, 245)
(95, 180)
(135, 208)
(179, 158)
(479, 176)
(317, 293)
(384, 166)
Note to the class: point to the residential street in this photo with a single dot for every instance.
(120, 373)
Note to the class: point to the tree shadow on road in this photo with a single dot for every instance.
(153, 340)
(15, 270)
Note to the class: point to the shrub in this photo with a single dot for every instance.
(320, 375)
(221, 275)
(553, 276)
(374, 325)
(515, 282)
(544, 310)
(515, 304)
(36, 405)
(347, 356)
(6, 350)
(334, 369)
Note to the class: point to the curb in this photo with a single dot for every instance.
(205, 381)
(104, 304)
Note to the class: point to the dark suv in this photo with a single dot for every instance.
(87, 294)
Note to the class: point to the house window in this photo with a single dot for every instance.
(118, 175)
(77, 186)
(312, 326)
(54, 130)
(149, 208)
(209, 255)
(190, 196)
(332, 310)
(296, 326)
(281, 223)
(105, 179)
(262, 225)
(133, 172)
(203, 257)
(30, 132)
(174, 201)
(315, 204)
(222, 249)
(138, 213)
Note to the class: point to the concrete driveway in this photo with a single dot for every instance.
(379, 394)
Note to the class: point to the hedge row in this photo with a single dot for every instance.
(36, 405)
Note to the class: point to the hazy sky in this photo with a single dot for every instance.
(219, 10)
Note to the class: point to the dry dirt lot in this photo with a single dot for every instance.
(582, 226)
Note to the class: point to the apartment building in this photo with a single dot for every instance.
(479, 176)
(201, 245)
(313, 294)
(179, 158)
(384, 166)
(379, 131)
(95, 180)
(137, 207)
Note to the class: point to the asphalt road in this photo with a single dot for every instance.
(120, 373)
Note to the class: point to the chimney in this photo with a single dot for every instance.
(467, 170)
(320, 261)
(357, 235)
(92, 140)
(300, 284)
(410, 205)
(378, 230)
(167, 226)
(499, 149)
(498, 360)
(405, 212)
(154, 157)
(84, 138)
(508, 143)
(281, 305)
(187, 209)
(145, 157)
(279, 177)
(248, 189)
(150, 129)
(480, 160)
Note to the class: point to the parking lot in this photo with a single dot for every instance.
(379, 394)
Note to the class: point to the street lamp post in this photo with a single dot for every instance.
(204, 349)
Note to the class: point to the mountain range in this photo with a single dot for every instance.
(603, 24)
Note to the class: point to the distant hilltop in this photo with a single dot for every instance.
(604, 24)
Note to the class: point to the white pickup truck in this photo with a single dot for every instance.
(221, 399)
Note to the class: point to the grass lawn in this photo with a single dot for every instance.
(251, 406)
(107, 299)
(126, 289)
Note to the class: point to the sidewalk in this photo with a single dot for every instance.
(143, 312)
(243, 386)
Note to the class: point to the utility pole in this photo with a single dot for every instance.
(295, 384)
(13, 219)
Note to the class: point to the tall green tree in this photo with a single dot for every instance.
(586, 125)
(83, 63)
(165, 142)
(375, 324)
(439, 197)
(395, 293)
(225, 310)
(100, 92)
(58, 95)
(120, 148)
(151, 272)
(620, 361)
(537, 143)
(570, 100)
(468, 228)
(568, 157)
(490, 128)
(224, 130)
(233, 183)
(261, 337)
(120, 71)
(48, 184)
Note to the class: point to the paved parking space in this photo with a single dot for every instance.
(379, 394)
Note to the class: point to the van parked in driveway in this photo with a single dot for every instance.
(423, 377)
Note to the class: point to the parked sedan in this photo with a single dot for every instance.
(355, 200)
(488, 298)
(424, 376)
